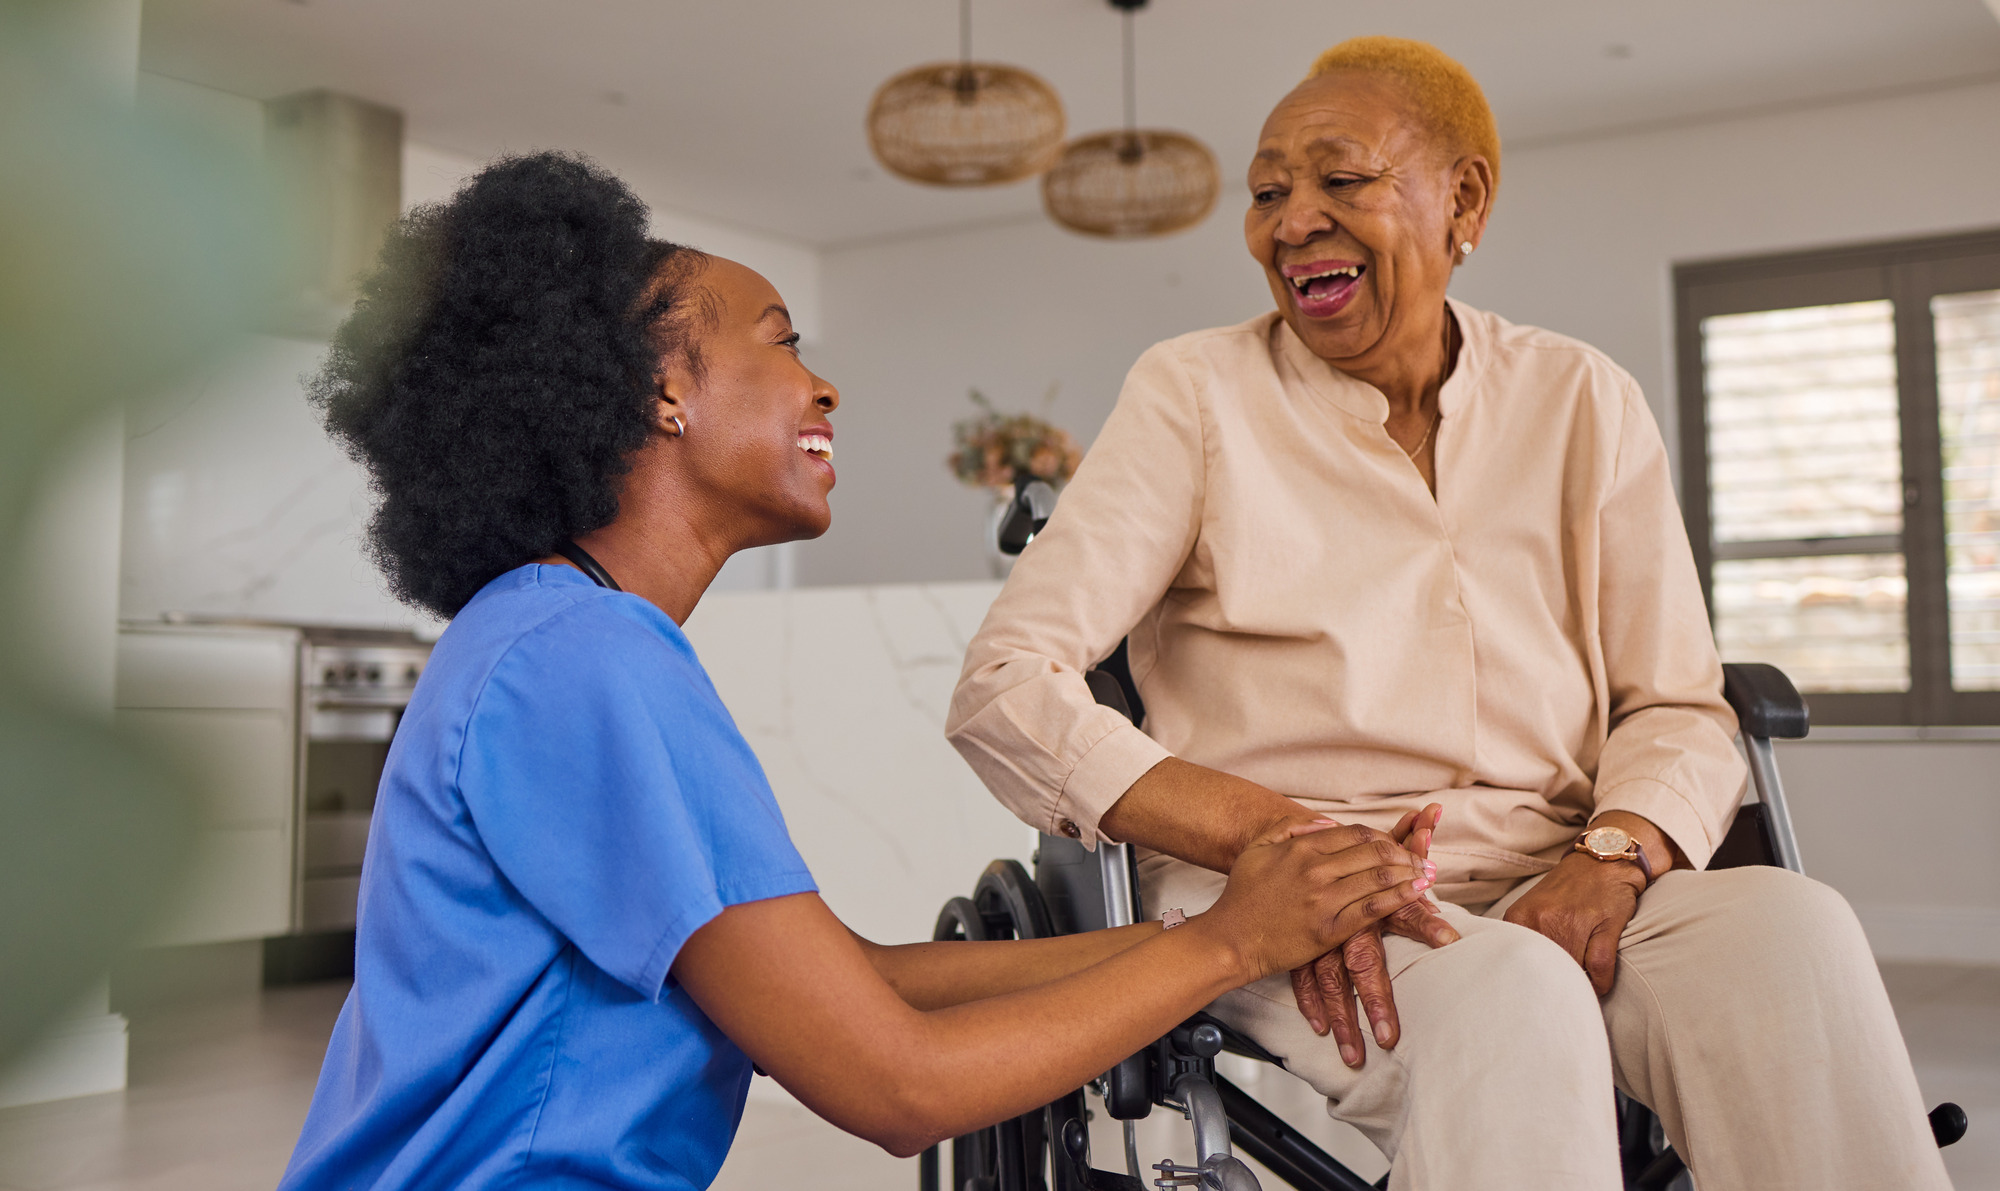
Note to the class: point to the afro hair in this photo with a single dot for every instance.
(1445, 93)
(495, 376)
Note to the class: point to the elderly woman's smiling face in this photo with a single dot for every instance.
(1356, 213)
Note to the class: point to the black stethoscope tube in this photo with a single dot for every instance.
(588, 565)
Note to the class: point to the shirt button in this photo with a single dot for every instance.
(1071, 830)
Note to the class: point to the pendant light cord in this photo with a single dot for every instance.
(1131, 94)
(965, 33)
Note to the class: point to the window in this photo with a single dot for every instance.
(1840, 468)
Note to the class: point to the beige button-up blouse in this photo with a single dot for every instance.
(1529, 648)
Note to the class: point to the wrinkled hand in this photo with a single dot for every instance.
(1584, 904)
(1306, 888)
(1327, 988)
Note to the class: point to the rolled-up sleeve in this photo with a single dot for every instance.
(1022, 716)
(1670, 756)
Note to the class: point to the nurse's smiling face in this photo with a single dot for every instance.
(758, 447)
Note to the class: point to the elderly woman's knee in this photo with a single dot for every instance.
(1779, 916)
(1522, 984)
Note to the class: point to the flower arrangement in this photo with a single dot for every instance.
(994, 449)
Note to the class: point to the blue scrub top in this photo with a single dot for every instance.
(566, 801)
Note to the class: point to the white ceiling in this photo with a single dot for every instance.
(750, 111)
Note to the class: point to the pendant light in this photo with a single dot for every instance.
(965, 123)
(1134, 182)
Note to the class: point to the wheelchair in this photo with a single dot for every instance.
(1072, 889)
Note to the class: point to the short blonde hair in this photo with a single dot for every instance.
(1445, 93)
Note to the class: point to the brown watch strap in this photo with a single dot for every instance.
(1645, 866)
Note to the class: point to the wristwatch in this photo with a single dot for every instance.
(1614, 843)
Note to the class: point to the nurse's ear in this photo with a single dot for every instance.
(669, 415)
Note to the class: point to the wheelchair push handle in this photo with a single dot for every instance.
(1034, 500)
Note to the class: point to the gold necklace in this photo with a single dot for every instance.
(1437, 413)
(1425, 440)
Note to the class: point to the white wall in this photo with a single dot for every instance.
(843, 693)
(1907, 830)
(1010, 310)
(235, 502)
(1583, 241)
(238, 505)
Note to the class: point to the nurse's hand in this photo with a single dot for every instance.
(1327, 988)
(907, 1046)
(1306, 889)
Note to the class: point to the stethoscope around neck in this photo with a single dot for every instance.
(588, 565)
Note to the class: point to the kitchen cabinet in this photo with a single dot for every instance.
(220, 704)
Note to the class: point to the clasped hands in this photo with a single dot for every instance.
(1583, 905)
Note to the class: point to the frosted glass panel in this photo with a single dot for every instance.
(1803, 438)
(1968, 368)
(1833, 624)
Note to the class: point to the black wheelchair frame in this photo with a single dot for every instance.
(1073, 889)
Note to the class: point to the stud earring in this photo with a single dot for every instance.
(1466, 248)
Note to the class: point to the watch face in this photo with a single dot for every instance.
(1607, 841)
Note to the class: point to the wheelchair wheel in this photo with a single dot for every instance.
(1010, 1156)
(960, 921)
(973, 1161)
(1007, 895)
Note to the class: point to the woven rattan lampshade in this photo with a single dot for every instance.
(1134, 182)
(965, 124)
(1125, 185)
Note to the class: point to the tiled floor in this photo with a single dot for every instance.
(1951, 1019)
(218, 1092)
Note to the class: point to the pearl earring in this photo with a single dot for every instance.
(1466, 248)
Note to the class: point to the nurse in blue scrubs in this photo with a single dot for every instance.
(581, 917)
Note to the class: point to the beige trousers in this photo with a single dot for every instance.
(1747, 1012)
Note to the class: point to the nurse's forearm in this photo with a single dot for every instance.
(1197, 814)
(797, 991)
(936, 975)
(785, 980)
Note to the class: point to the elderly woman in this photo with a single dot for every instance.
(1377, 549)
(581, 916)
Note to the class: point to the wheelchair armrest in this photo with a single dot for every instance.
(1766, 702)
